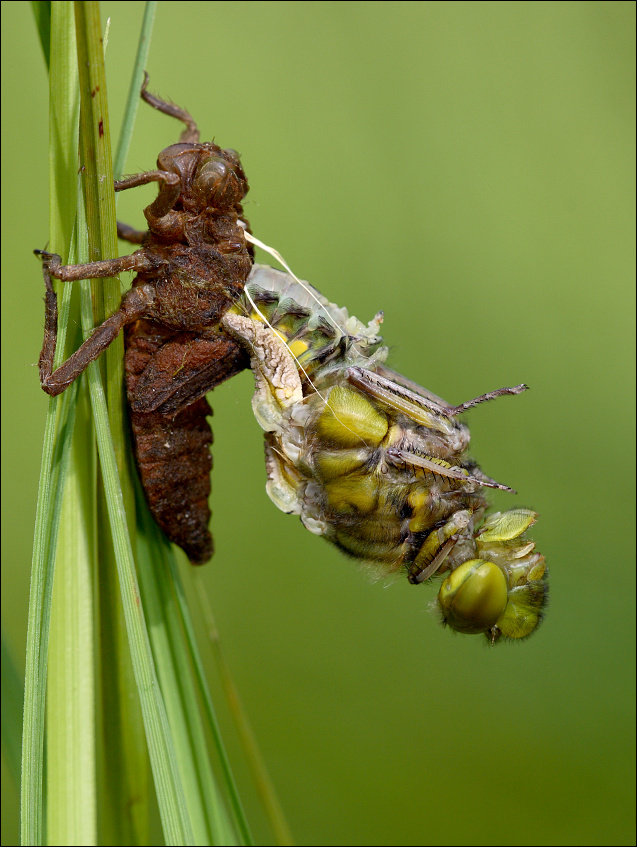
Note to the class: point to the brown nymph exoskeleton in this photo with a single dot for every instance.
(192, 265)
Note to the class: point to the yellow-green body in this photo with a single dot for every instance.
(377, 465)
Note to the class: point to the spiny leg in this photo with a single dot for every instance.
(438, 403)
(437, 546)
(130, 234)
(443, 468)
(135, 262)
(483, 398)
(168, 193)
(398, 395)
(191, 133)
(135, 304)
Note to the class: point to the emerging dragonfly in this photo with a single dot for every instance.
(371, 461)
(376, 464)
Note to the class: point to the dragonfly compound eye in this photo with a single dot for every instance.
(217, 185)
(232, 156)
(473, 597)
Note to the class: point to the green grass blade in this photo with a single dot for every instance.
(170, 795)
(77, 527)
(71, 737)
(42, 14)
(100, 209)
(170, 649)
(206, 804)
(71, 753)
(12, 704)
(31, 815)
(125, 789)
(247, 738)
(63, 136)
(132, 101)
(213, 724)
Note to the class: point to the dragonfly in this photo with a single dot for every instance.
(378, 465)
(369, 460)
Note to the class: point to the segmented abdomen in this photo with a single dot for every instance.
(174, 462)
(171, 435)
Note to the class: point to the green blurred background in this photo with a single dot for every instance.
(468, 168)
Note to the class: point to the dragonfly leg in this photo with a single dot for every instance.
(135, 303)
(191, 133)
(130, 234)
(437, 546)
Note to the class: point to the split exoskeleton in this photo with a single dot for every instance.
(372, 462)
(376, 464)
(192, 265)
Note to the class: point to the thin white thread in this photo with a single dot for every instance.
(298, 364)
(276, 255)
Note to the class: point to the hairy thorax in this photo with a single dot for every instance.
(195, 285)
